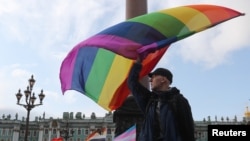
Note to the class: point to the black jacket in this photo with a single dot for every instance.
(168, 114)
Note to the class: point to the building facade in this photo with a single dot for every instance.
(42, 129)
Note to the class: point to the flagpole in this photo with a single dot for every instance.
(136, 8)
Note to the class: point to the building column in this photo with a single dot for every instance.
(40, 134)
(16, 130)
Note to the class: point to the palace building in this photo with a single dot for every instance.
(45, 129)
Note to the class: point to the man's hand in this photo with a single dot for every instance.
(138, 60)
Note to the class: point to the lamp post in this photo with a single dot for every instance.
(66, 133)
(29, 102)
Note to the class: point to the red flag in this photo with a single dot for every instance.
(57, 139)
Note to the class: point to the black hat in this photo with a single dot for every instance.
(162, 72)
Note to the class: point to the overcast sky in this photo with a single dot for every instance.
(210, 68)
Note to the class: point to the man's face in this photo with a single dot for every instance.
(157, 81)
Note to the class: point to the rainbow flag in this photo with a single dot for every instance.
(57, 139)
(128, 135)
(98, 66)
(97, 135)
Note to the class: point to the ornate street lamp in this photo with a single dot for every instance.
(66, 133)
(29, 102)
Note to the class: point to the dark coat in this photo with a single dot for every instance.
(173, 122)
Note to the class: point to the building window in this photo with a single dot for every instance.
(86, 132)
(46, 132)
(109, 131)
(9, 133)
(3, 132)
(54, 131)
(79, 131)
(34, 133)
(22, 133)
